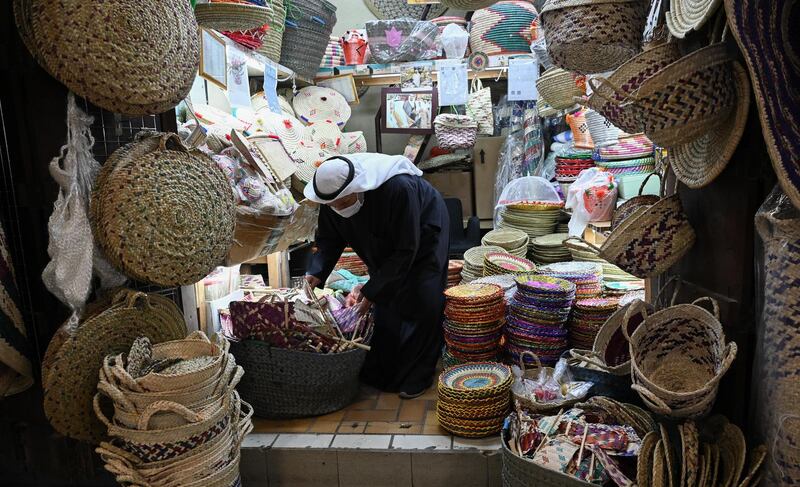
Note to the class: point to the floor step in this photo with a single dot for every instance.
(355, 460)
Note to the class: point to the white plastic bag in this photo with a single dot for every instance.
(592, 197)
(528, 188)
(455, 40)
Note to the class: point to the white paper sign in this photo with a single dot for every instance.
(238, 80)
(522, 76)
(452, 80)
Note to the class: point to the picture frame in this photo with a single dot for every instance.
(213, 58)
(344, 84)
(405, 112)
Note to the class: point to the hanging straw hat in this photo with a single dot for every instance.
(771, 48)
(397, 9)
(687, 15)
(314, 103)
(136, 58)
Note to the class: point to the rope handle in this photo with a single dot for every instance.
(118, 372)
(476, 85)
(626, 319)
(731, 349)
(98, 411)
(535, 360)
(167, 406)
(647, 178)
(231, 384)
(654, 402)
(116, 395)
(714, 304)
(131, 299)
(678, 283)
(174, 141)
(591, 357)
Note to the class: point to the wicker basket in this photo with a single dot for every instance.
(604, 133)
(631, 206)
(162, 213)
(231, 16)
(290, 384)
(678, 357)
(521, 472)
(468, 4)
(558, 88)
(309, 25)
(273, 39)
(455, 131)
(502, 28)
(593, 36)
(533, 373)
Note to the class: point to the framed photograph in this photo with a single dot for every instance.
(407, 112)
(344, 84)
(213, 58)
(416, 79)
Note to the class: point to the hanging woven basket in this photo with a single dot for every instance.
(232, 16)
(558, 88)
(593, 36)
(273, 39)
(162, 213)
(502, 28)
(309, 25)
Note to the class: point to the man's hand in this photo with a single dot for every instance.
(354, 297)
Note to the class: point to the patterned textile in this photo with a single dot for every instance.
(16, 373)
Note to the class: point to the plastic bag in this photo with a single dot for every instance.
(592, 197)
(454, 40)
(550, 385)
(403, 40)
(529, 188)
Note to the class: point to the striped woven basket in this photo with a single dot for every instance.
(604, 133)
(309, 25)
(468, 4)
(593, 36)
(505, 27)
(273, 39)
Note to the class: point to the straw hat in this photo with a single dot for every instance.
(314, 103)
(353, 143)
(321, 140)
(770, 47)
(687, 15)
(288, 129)
(396, 9)
(114, 53)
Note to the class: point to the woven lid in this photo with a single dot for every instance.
(687, 15)
(135, 58)
(232, 16)
(162, 213)
(508, 238)
(315, 104)
(72, 378)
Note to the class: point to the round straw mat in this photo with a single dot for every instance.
(232, 16)
(114, 53)
(315, 104)
(72, 379)
(687, 15)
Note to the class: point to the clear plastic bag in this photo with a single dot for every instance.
(454, 40)
(400, 40)
(528, 188)
(592, 197)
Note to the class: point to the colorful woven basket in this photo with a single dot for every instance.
(504, 27)
(604, 133)
(593, 36)
(455, 131)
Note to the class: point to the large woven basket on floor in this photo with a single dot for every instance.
(273, 39)
(309, 24)
(283, 383)
(521, 472)
(593, 36)
(114, 53)
(559, 88)
(162, 213)
(678, 357)
(504, 27)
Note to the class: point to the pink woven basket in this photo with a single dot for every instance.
(455, 131)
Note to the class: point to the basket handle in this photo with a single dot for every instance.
(131, 299)
(655, 402)
(730, 355)
(647, 178)
(198, 335)
(476, 85)
(174, 142)
(678, 283)
(714, 304)
(589, 356)
(535, 360)
(116, 395)
(626, 319)
(167, 406)
(118, 372)
(98, 411)
(234, 380)
(596, 83)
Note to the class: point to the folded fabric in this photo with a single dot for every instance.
(344, 280)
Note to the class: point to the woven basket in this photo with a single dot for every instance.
(273, 39)
(604, 133)
(593, 36)
(558, 88)
(455, 131)
(632, 205)
(468, 4)
(609, 94)
(290, 384)
(162, 213)
(309, 25)
(679, 355)
(502, 28)
(87, 45)
(521, 472)
(533, 373)
(72, 379)
(232, 16)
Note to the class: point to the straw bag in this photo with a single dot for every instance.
(651, 240)
(455, 131)
(479, 106)
(678, 357)
(631, 206)
(558, 88)
(593, 36)
(162, 213)
(309, 24)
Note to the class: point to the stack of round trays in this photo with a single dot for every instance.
(587, 319)
(634, 146)
(350, 261)
(474, 398)
(624, 167)
(619, 289)
(514, 241)
(537, 316)
(587, 277)
(499, 263)
(474, 316)
(611, 273)
(473, 262)
(550, 248)
(506, 281)
(536, 218)
(454, 269)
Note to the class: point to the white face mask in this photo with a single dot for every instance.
(352, 209)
